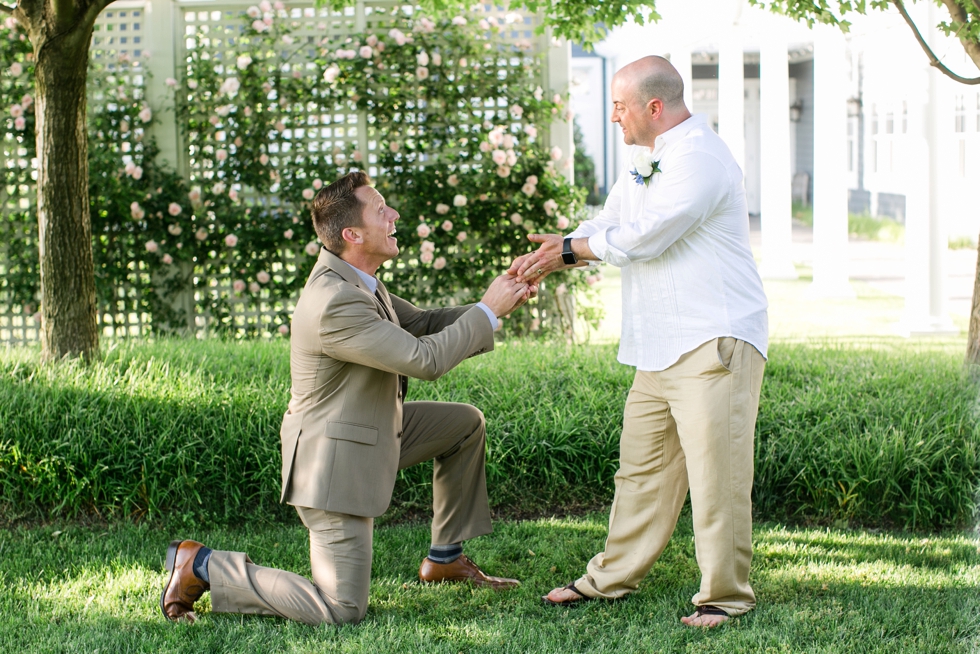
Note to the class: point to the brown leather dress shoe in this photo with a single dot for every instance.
(462, 569)
(183, 588)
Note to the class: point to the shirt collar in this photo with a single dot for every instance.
(369, 280)
(679, 131)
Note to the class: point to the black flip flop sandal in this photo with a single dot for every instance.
(709, 609)
(572, 602)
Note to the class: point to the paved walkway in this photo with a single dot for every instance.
(877, 273)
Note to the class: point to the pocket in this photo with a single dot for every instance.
(348, 431)
(726, 351)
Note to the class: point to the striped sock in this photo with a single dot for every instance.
(445, 553)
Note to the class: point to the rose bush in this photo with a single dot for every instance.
(445, 115)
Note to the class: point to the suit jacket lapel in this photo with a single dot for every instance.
(386, 301)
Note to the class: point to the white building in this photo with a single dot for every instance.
(857, 122)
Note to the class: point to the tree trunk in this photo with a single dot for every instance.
(69, 325)
(973, 340)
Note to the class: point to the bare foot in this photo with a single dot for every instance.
(706, 620)
(563, 595)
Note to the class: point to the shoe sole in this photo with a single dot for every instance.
(170, 564)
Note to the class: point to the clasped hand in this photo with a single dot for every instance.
(535, 266)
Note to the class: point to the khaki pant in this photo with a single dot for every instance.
(691, 425)
(341, 544)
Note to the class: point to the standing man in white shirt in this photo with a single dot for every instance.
(696, 329)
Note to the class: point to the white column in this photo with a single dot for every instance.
(776, 200)
(731, 92)
(830, 258)
(161, 42)
(559, 77)
(681, 59)
(925, 237)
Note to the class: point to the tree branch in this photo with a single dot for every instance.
(933, 59)
(7, 10)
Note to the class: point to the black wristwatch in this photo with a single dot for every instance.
(566, 253)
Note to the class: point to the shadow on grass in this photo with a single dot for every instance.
(89, 588)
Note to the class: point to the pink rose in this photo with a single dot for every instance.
(425, 257)
(366, 51)
(318, 184)
(152, 246)
(461, 237)
(137, 172)
(499, 157)
(372, 40)
(20, 123)
(496, 136)
(238, 285)
(422, 72)
(16, 111)
(253, 12)
(214, 120)
(439, 263)
(308, 194)
(171, 82)
(233, 195)
(356, 155)
(167, 259)
(192, 84)
(516, 218)
(16, 69)
(312, 248)
(423, 230)
(550, 206)
(532, 180)
(173, 209)
(145, 115)
(175, 229)
(331, 73)
(427, 246)
(394, 146)
(201, 234)
(254, 287)
(459, 201)
(447, 225)
(516, 111)
(511, 157)
(453, 180)
(221, 154)
(503, 171)
(531, 131)
(562, 222)
(556, 153)
(195, 194)
(218, 188)
(283, 329)
(231, 240)
(529, 189)
(590, 280)
(507, 142)
(486, 146)
(263, 277)
(288, 233)
(263, 159)
(442, 209)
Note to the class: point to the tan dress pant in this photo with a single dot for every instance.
(341, 544)
(691, 425)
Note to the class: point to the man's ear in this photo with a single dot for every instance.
(655, 108)
(351, 236)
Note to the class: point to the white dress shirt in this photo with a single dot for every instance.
(682, 241)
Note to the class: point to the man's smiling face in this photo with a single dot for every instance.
(378, 225)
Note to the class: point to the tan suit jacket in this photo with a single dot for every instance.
(341, 435)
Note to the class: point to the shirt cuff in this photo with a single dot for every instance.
(598, 245)
(493, 318)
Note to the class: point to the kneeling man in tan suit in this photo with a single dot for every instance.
(348, 431)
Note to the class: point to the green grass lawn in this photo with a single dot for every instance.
(71, 588)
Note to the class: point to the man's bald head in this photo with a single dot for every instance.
(654, 77)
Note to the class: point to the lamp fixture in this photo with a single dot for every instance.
(796, 110)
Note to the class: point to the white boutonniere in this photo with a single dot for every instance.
(644, 166)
